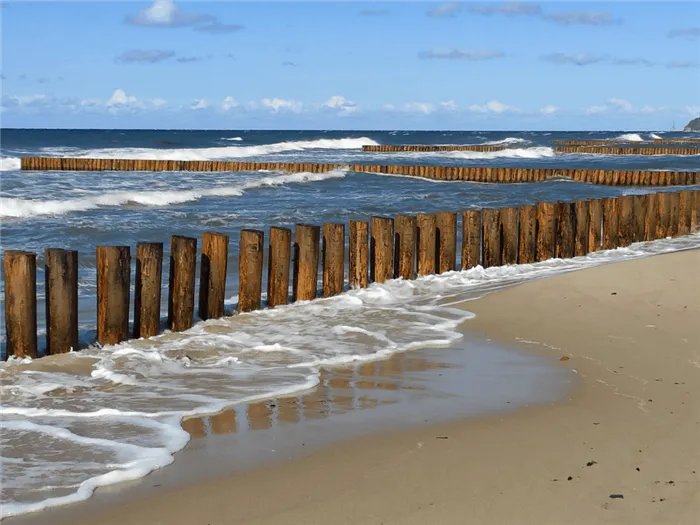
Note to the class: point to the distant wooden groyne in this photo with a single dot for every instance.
(379, 249)
(599, 148)
(613, 142)
(441, 173)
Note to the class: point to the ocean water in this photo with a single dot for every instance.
(74, 422)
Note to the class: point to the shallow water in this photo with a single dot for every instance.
(86, 419)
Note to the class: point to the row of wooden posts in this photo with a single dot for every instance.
(606, 150)
(444, 173)
(612, 142)
(380, 249)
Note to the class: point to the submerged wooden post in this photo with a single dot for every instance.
(359, 254)
(381, 249)
(113, 283)
(582, 210)
(333, 258)
(212, 275)
(183, 262)
(306, 244)
(565, 238)
(405, 247)
(492, 237)
(61, 277)
(446, 238)
(148, 283)
(626, 220)
(527, 242)
(611, 224)
(426, 231)
(545, 231)
(250, 267)
(278, 263)
(20, 304)
(509, 235)
(471, 239)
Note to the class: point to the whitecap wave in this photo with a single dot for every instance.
(216, 153)
(10, 164)
(22, 208)
(655, 136)
(629, 137)
(514, 153)
(237, 139)
(506, 141)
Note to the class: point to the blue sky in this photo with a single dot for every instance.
(350, 65)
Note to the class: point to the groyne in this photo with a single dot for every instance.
(441, 173)
(606, 148)
(378, 249)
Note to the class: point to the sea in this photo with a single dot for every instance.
(99, 416)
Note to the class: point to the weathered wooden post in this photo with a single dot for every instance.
(250, 267)
(509, 218)
(278, 263)
(545, 230)
(663, 215)
(471, 239)
(674, 213)
(381, 249)
(639, 216)
(582, 209)
(651, 216)
(684, 212)
(148, 283)
(427, 243)
(565, 238)
(611, 223)
(305, 278)
(492, 237)
(61, 278)
(212, 280)
(595, 225)
(405, 247)
(446, 238)
(20, 304)
(695, 209)
(527, 243)
(183, 262)
(359, 254)
(113, 284)
(333, 258)
(626, 220)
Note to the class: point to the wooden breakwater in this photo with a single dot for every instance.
(613, 142)
(379, 249)
(404, 148)
(441, 173)
(628, 150)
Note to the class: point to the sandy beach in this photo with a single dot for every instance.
(621, 449)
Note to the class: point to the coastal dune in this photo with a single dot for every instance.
(621, 449)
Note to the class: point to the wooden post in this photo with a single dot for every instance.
(61, 277)
(381, 249)
(306, 244)
(566, 228)
(685, 210)
(492, 237)
(405, 247)
(695, 210)
(674, 213)
(582, 227)
(446, 239)
(359, 255)
(545, 231)
(471, 239)
(278, 262)
(639, 217)
(509, 235)
(663, 216)
(595, 225)
(212, 280)
(183, 262)
(148, 283)
(250, 267)
(113, 283)
(527, 245)
(20, 304)
(333, 258)
(611, 224)
(626, 220)
(427, 244)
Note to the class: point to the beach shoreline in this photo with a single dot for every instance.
(620, 449)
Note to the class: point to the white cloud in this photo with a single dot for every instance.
(229, 103)
(652, 109)
(121, 102)
(426, 108)
(621, 104)
(507, 9)
(583, 18)
(120, 98)
(594, 110)
(448, 9)
(693, 110)
(165, 13)
(492, 106)
(460, 54)
(341, 104)
(199, 103)
(449, 105)
(549, 110)
(278, 104)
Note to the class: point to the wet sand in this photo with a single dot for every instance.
(622, 448)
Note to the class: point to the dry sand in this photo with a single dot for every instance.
(624, 449)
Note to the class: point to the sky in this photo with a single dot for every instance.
(350, 65)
